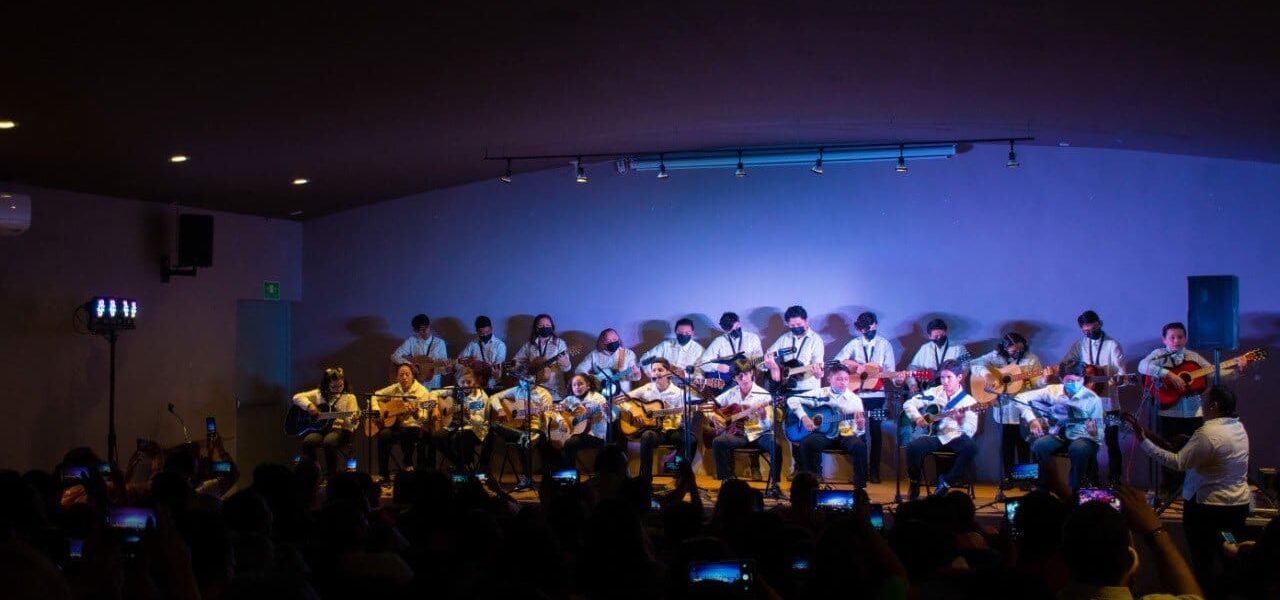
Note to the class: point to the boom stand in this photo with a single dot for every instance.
(1000, 497)
(686, 433)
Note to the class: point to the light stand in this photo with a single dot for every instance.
(106, 317)
(900, 397)
(112, 451)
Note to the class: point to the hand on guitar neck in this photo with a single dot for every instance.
(1140, 432)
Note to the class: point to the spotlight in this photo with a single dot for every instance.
(741, 171)
(662, 167)
(902, 159)
(109, 314)
(817, 164)
(1012, 163)
(506, 177)
(301, 181)
(178, 158)
(581, 172)
(7, 124)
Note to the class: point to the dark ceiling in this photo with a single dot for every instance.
(376, 105)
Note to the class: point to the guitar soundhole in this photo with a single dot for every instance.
(817, 421)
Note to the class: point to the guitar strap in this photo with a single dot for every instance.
(866, 351)
(938, 358)
(955, 400)
(1094, 353)
(733, 347)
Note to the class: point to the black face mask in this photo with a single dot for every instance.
(484, 339)
(544, 332)
(1016, 356)
(736, 333)
(1096, 334)
(797, 331)
(613, 346)
(683, 339)
(869, 334)
(940, 341)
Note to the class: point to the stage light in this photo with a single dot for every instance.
(7, 124)
(178, 158)
(662, 167)
(107, 313)
(902, 160)
(506, 177)
(741, 171)
(817, 164)
(1012, 163)
(581, 173)
(780, 157)
(301, 181)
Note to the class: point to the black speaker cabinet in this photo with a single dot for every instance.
(195, 240)
(1213, 312)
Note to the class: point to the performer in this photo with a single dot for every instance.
(1013, 349)
(1078, 412)
(332, 395)
(1186, 416)
(1216, 490)
(756, 430)
(672, 430)
(460, 421)
(867, 349)
(487, 351)
(407, 430)
(954, 432)
(611, 364)
(529, 401)
(584, 402)
(543, 344)
(931, 355)
(799, 344)
(423, 349)
(848, 404)
(735, 341)
(1104, 353)
(681, 352)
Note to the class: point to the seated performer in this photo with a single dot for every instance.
(953, 430)
(331, 396)
(1078, 412)
(754, 431)
(486, 353)
(583, 404)
(401, 397)
(1013, 349)
(848, 405)
(515, 409)
(547, 354)
(423, 349)
(611, 364)
(459, 421)
(672, 429)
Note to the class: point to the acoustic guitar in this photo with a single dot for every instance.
(908, 431)
(637, 416)
(827, 421)
(537, 367)
(563, 424)
(1009, 379)
(869, 377)
(1195, 376)
(394, 410)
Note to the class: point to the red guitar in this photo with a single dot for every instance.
(1195, 376)
(869, 377)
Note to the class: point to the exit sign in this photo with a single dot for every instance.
(271, 290)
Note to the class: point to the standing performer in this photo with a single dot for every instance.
(955, 429)
(802, 347)
(735, 341)
(938, 350)
(406, 428)
(331, 396)
(681, 352)
(486, 353)
(1013, 349)
(868, 353)
(1104, 354)
(424, 350)
(547, 353)
(611, 364)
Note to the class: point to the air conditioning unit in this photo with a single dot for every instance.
(15, 213)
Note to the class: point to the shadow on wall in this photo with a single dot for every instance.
(366, 358)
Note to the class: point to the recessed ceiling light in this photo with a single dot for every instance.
(296, 213)
(1064, 144)
(177, 158)
(301, 181)
(7, 124)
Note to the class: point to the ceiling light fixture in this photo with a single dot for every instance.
(506, 177)
(301, 181)
(817, 164)
(580, 172)
(741, 171)
(902, 159)
(1012, 163)
(7, 124)
(178, 158)
(662, 167)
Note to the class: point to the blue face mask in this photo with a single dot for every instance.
(1072, 388)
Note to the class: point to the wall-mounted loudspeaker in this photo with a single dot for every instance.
(195, 241)
(1213, 312)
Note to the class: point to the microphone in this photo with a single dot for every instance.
(185, 434)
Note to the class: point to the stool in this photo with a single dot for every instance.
(750, 452)
(942, 461)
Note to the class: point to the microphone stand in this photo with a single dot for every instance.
(529, 386)
(686, 436)
(369, 414)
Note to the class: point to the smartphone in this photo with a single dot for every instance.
(738, 573)
(1099, 495)
(351, 464)
(104, 469)
(835, 500)
(673, 465)
(654, 504)
(75, 548)
(1026, 472)
(222, 467)
(1010, 511)
(877, 516)
(565, 475)
(800, 563)
(481, 477)
(210, 426)
(459, 479)
(297, 459)
(75, 474)
(131, 518)
(1229, 537)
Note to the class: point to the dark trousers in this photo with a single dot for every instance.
(1115, 462)
(649, 441)
(407, 437)
(1204, 524)
(1013, 449)
(510, 436)
(874, 435)
(331, 442)
(1170, 480)
(575, 444)
(723, 445)
(964, 448)
(1083, 453)
(810, 456)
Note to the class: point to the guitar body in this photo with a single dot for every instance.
(633, 420)
(827, 420)
(1095, 377)
(1168, 395)
(514, 413)
(298, 422)
(1012, 380)
(721, 421)
(395, 410)
(564, 424)
(865, 378)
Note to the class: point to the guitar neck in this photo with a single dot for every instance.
(1224, 365)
